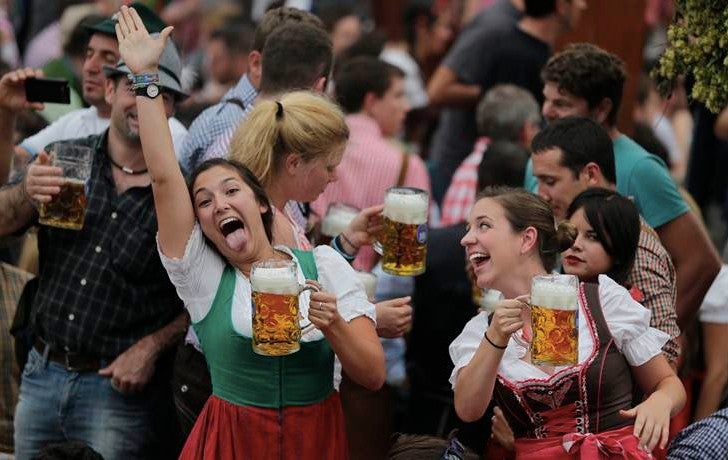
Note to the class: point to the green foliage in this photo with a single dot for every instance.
(697, 44)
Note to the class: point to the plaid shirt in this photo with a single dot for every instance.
(12, 281)
(703, 439)
(102, 288)
(654, 275)
(460, 195)
(215, 121)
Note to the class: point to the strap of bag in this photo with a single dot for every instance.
(403, 169)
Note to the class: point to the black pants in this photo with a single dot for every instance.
(191, 385)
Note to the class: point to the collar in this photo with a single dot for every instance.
(361, 123)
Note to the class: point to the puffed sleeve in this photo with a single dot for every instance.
(629, 323)
(196, 275)
(337, 276)
(465, 345)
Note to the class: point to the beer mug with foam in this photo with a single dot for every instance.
(403, 242)
(337, 218)
(554, 320)
(67, 209)
(276, 317)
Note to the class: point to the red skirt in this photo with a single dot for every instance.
(615, 444)
(227, 431)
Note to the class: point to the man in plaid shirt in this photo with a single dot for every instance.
(105, 311)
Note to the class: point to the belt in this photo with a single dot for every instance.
(73, 362)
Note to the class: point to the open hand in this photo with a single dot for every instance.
(651, 420)
(139, 50)
(12, 90)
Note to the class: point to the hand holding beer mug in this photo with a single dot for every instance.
(276, 326)
(554, 318)
(403, 243)
(67, 208)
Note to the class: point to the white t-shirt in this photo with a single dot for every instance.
(196, 276)
(86, 122)
(627, 320)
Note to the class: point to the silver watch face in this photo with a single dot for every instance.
(152, 90)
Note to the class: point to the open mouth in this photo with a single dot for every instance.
(478, 259)
(230, 225)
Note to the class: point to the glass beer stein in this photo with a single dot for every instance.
(403, 242)
(276, 314)
(67, 209)
(554, 320)
(337, 218)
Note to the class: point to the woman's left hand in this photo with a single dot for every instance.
(137, 48)
(322, 311)
(651, 420)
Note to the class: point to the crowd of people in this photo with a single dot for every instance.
(222, 133)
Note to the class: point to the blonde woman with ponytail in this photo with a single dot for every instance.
(293, 145)
(567, 412)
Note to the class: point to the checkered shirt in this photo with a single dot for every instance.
(654, 275)
(704, 439)
(102, 288)
(12, 281)
(460, 195)
(216, 120)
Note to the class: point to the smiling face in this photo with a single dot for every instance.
(491, 245)
(587, 258)
(121, 97)
(229, 214)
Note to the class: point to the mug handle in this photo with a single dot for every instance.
(313, 287)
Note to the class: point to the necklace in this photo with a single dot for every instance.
(127, 170)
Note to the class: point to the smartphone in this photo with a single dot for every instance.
(47, 90)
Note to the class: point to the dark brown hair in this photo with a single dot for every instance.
(524, 209)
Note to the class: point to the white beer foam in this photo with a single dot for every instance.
(555, 296)
(406, 208)
(275, 280)
(336, 221)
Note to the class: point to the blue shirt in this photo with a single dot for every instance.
(216, 120)
(642, 177)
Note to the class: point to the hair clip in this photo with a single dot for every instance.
(279, 110)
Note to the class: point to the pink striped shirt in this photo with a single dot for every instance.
(370, 165)
(460, 195)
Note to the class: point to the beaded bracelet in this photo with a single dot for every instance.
(143, 80)
(485, 334)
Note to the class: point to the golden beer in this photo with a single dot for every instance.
(404, 238)
(67, 209)
(554, 320)
(276, 330)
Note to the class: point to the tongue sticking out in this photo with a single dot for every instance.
(236, 240)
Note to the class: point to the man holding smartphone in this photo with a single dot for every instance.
(102, 49)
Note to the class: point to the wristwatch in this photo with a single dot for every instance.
(151, 91)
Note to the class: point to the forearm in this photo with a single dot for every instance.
(475, 382)
(671, 388)
(16, 210)
(169, 335)
(7, 149)
(359, 350)
(694, 277)
(445, 90)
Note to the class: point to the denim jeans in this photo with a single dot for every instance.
(56, 406)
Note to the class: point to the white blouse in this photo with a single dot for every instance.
(627, 320)
(196, 276)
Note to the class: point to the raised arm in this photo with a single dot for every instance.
(175, 215)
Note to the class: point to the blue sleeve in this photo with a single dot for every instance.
(653, 191)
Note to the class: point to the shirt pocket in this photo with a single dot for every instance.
(134, 251)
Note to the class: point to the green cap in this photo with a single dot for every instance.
(151, 21)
